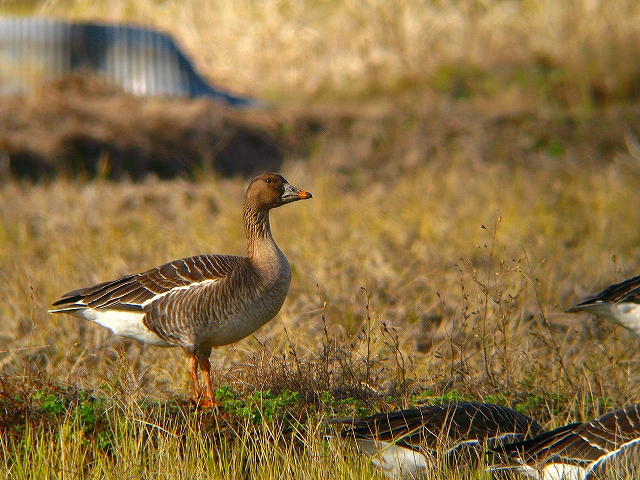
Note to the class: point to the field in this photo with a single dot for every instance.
(465, 192)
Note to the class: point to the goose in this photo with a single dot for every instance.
(405, 443)
(204, 301)
(618, 303)
(606, 447)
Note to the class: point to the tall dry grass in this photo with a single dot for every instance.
(457, 275)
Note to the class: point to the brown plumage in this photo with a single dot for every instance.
(403, 443)
(204, 301)
(605, 447)
(619, 303)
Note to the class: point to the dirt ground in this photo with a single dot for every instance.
(81, 127)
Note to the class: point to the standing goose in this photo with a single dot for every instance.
(607, 447)
(404, 444)
(200, 302)
(618, 303)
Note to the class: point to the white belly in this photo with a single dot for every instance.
(628, 315)
(125, 324)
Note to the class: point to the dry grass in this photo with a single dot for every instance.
(466, 269)
(442, 244)
(450, 281)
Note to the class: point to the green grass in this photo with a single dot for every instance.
(112, 438)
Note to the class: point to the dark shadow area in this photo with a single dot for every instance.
(79, 127)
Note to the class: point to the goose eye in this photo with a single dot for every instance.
(268, 180)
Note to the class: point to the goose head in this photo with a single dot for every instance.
(271, 190)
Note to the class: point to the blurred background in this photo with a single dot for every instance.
(312, 67)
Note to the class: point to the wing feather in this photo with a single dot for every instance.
(580, 443)
(626, 291)
(131, 292)
(432, 427)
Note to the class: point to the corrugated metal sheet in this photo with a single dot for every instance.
(139, 60)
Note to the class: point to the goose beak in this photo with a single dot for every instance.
(291, 194)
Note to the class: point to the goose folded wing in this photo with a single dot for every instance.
(132, 292)
(626, 291)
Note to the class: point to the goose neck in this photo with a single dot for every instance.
(258, 233)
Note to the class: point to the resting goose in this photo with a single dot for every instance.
(404, 444)
(607, 447)
(618, 303)
(200, 302)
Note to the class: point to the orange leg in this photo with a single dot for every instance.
(205, 366)
(193, 373)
